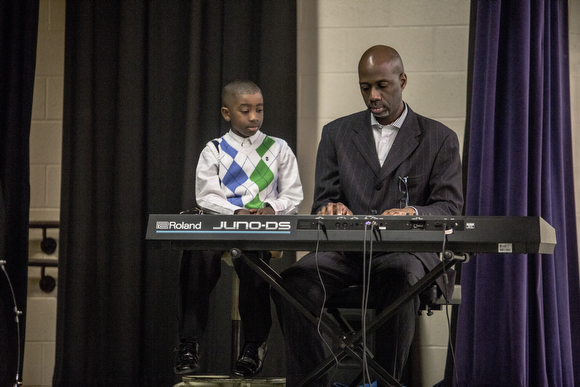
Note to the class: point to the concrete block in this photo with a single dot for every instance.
(50, 54)
(339, 95)
(450, 49)
(41, 319)
(348, 13)
(54, 103)
(432, 361)
(39, 99)
(37, 185)
(433, 330)
(332, 50)
(437, 95)
(306, 15)
(57, 12)
(53, 185)
(48, 360)
(32, 365)
(307, 52)
(414, 44)
(428, 12)
(308, 100)
(45, 142)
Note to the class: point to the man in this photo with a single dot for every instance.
(386, 160)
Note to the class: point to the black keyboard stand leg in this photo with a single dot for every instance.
(349, 343)
(304, 305)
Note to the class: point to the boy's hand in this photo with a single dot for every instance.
(263, 211)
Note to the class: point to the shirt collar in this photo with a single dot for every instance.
(397, 123)
(244, 140)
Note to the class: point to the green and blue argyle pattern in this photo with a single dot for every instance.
(248, 178)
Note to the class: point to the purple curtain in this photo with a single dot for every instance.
(518, 322)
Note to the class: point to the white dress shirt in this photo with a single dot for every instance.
(385, 134)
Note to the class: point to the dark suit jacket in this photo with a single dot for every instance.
(348, 169)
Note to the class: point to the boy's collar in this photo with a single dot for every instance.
(241, 139)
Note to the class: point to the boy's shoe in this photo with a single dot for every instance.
(187, 358)
(251, 359)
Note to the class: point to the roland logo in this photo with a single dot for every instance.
(184, 226)
(253, 226)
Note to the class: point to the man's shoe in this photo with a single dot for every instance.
(251, 360)
(187, 358)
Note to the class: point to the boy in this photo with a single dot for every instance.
(242, 172)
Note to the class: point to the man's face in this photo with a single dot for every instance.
(246, 114)
(381, 86)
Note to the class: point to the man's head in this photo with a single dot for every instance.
(243, 107)
(382, 80)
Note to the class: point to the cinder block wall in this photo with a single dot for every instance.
(45, 161)
(432, 38)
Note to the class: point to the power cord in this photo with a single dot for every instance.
(17, 314)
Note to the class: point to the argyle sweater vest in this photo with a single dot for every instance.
(249, 175)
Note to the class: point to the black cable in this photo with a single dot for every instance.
(322, 227)
(450, 343)
(366, 283)
(446, 256)
(17, 313)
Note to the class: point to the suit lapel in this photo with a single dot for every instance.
(364, 141)
(405, 143)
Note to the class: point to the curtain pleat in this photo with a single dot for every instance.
(516, 324)
(18, 36)
(141, 98)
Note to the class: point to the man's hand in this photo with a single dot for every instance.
(335, 209)
(242, 211)
(400, 211)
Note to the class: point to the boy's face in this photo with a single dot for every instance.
(245, 114)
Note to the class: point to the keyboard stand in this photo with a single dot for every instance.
(350, 344)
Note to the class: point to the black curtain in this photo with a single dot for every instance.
(518, 321)
(18, 34)
(141, 98)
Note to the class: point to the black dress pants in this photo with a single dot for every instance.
(391, 275)
(199, 273)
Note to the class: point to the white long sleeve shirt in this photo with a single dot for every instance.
(234, 172)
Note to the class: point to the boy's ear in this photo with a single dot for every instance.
(225, 113)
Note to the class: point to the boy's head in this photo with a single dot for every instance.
(243, 107)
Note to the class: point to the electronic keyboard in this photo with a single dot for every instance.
(460, 234)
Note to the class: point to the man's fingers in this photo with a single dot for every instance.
(335, 209)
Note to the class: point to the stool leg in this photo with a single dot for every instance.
(236, 320)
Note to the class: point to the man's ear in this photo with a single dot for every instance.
(225, 113)
(403, 79)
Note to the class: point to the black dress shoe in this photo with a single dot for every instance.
(251, 360)
(187, 358)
